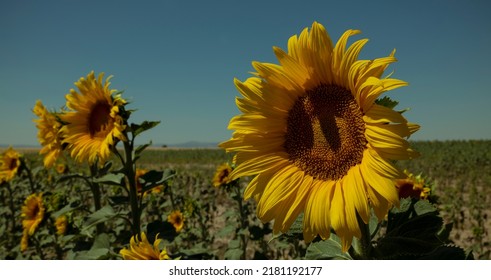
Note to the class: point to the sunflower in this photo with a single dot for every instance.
(10, 161)
(49, 136)
(315, 139)
(94, 123)
(176, 219)
(32, 213)
(61, 224)
(412, 186)
(139, 187)
(61, 168)
(143, 250)
(222, 174)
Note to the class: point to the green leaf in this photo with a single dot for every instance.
(107, 166)
(92, 254)
(387, 102)
(71, 176)
(415, 231)
(68, 208)
(235, 243)
(155, 178)
(226, 231)
(118, 199)
(233, 254)
(146, 125)
(141, 148)
(101, 241)
(110, 179)
(329, 249)
(104, 214)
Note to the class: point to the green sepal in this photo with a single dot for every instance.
(387, 102)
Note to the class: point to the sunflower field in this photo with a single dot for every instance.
(319, 166)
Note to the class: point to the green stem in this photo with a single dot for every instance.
(365, 241)
(129, 167)
(32, 185)
(243, 222)
(96, 194)
(11, 206)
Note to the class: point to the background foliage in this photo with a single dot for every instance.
(218, 223)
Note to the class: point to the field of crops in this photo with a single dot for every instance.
(217, 223)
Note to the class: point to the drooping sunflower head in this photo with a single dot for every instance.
(49, 136)
(32, 212)
(176, 218)
(141, 249)
(10, 162)
(314, 137)
(94, 122)
(222, 175)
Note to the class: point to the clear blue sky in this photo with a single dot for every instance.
(176, 60)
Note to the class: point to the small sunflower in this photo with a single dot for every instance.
(94, 123)
(10, 161)
(222, 175)
(143, 250)
(139, 187)
(412, 186)
(49, 136)
(61, 224)
(32, 212)
(176, 219)
(315, 139)
(61, 168)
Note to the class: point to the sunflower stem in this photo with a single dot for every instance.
(96, 193)
(11, 204)
(243, 221)
(32, 185)
(365, 240)
(129, 167)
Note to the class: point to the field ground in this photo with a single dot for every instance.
(460, 172)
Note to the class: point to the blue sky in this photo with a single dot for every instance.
(176, 60)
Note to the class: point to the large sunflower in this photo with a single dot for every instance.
(143, 250)
(94, 123)
(311, 131)
(32, 213)
(49, 136)
(9, 164)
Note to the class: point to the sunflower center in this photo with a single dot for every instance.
(99, 117)
(325, 134)
(35, 210)
(13, 164)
